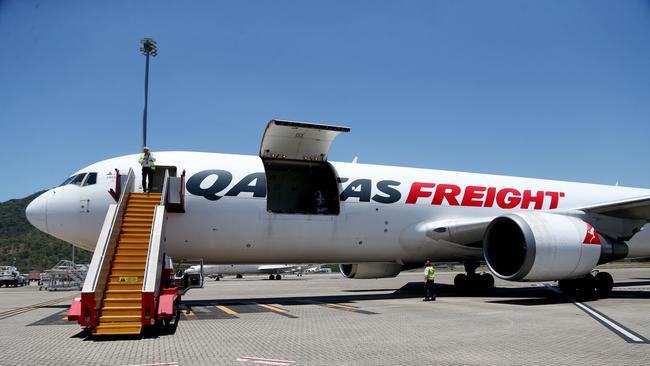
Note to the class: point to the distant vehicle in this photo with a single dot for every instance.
(318, 269)
(217, 271)
(34, 276)
(9, 276)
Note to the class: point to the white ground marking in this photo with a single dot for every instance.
(265, 361)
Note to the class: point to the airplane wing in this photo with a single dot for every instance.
(637, 208)
(469, 232)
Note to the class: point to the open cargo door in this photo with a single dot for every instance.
(298, 177)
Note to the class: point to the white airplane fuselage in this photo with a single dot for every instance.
(226, 218)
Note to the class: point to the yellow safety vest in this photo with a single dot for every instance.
(431, 273)
(152, 165)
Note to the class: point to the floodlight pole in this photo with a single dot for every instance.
(148, 49)
(146, 95)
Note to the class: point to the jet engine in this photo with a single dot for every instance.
(533, 246)
(370, 270)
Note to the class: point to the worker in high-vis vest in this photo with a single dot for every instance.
(147, 161)
(429, 276)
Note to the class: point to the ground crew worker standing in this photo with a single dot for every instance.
(429, 276)
(148, 166)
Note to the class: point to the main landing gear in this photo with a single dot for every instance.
(472, 280)
(275, 277)
(588, 287)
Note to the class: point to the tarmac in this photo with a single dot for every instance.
(324, 319)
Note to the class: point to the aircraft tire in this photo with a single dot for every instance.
(568, 287)
(271, 277)
(239, 276)
(604, 284)
(278, 277)
(460, 281)
(587, 287)
(487, 280)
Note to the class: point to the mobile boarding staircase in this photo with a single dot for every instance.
(130, 282)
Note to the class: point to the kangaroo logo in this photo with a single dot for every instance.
(592, 236)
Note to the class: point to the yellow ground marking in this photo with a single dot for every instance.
(273, 308)
(226, 310)
(344, 307)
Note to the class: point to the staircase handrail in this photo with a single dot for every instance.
(163, 196)
(182, 191)
(107, 242)
(155, 257)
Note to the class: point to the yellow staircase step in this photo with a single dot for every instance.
(139, 210)
(118, 328)
(125, 285)
(130, 257)
(132, 237)
(121, 311)
(131, 249)
(119, 262)
(135, 231)
(122, 302)
(123, 267)
(145, 198)
(148, 219)
(138, 217)
(127, 273)
(118, 318)
(149, 197)
(137, 235)
(111, 294)
(132, 224)
(152, 202)
(134, 241)
(143, 205)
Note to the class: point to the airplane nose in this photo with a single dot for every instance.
(36, 212)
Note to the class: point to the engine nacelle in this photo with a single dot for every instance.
(370, 270)
(534, 246)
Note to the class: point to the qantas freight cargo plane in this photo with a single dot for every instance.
(291, 205)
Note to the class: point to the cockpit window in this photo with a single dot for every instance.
(67, 181)
(78, 179)
(92, 179)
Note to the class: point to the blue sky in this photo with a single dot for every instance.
(548, 89)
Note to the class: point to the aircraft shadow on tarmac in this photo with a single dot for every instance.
(527, 296)
(532, 295)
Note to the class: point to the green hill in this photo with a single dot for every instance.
(26, 247)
